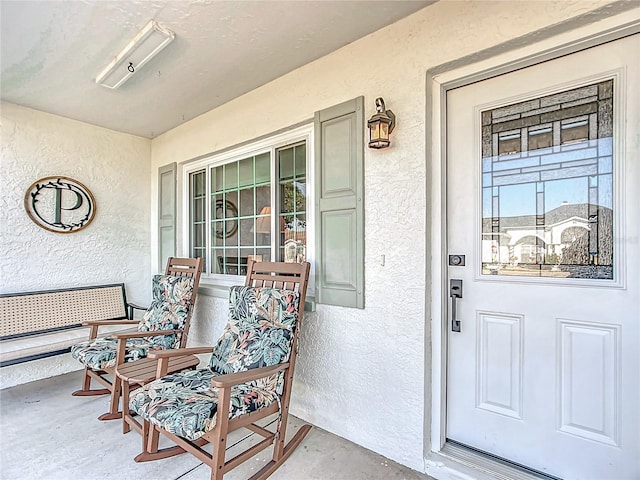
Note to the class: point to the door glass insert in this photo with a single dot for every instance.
(547, 186)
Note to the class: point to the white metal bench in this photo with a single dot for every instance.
(41, 324)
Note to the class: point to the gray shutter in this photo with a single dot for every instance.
(166, 213)
(339, 180)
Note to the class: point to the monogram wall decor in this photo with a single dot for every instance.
(60, 204)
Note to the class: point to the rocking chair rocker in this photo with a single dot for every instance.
(249, 378)
(164, 325)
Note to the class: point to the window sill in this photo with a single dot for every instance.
(222, 291)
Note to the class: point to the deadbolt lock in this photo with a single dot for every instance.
(456, 260)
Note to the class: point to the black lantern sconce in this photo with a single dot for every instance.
(380, 125)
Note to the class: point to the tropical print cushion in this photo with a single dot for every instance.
(100, 353)
(169, 308)
(260, 329)
(259, 333)
(186, 404)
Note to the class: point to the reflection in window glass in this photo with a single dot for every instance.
(293, 203)
(547, 186)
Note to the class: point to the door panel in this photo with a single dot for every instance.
(542, 198)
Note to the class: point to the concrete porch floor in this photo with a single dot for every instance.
(47, 434)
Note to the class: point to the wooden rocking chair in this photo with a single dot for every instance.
(164, 325)
(249, 377)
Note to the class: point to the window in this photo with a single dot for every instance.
(293, 196)
(548, 187)
(251, 203)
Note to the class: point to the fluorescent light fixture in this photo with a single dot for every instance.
(144, 46)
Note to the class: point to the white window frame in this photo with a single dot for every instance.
(268, 144)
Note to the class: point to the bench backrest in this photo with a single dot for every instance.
(31, 313)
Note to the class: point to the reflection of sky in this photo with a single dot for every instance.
(569, 190)
(518, 200)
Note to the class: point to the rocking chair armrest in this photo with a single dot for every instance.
(232, 379)
(179, 352)
(110, 322)
(151, 333)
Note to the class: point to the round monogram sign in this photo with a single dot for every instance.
(60, 204)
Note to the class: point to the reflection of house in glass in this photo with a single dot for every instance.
(547, 185)
(563, 247)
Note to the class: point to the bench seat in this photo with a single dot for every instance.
(32, 347)
(45, 323)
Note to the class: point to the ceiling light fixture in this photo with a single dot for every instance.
(144, 46)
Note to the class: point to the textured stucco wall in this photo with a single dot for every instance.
(113, 248)
(364, 374)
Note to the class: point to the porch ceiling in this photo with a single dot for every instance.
(51, 52)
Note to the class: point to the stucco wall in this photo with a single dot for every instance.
(364, 374)
(113, 248)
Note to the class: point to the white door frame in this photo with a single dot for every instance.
(439, 81)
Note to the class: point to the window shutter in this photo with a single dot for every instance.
(166, 213)
(339, 177)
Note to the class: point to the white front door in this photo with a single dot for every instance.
(543, 195)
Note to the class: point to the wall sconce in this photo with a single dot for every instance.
(380, 125)
(144, 46)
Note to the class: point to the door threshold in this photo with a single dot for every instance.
(494, 467)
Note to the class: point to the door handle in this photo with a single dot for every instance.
(455, 292)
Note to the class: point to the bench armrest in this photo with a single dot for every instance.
(134, 306)
(231, 379)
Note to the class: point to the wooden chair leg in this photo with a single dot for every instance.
(86, 387)
(145, 434)
(147, 431)
(125, 406)
(152, 440)
(114, 403)
(86, 381)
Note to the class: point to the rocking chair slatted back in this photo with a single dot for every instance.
(186, 267)
(260, 274)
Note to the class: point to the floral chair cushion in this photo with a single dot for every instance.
(260, 329)
(259, 333)
(100, 353)
(186, 404)
(169, 310)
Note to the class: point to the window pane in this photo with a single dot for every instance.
(263, 199)
(247, 202)
(197, 213)
(263, 168)
(245, 169)
(547, 194)
(230, 176)
(198, 183)
(293, 204)
(246, 231)
(286, 162)
(300, 157)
